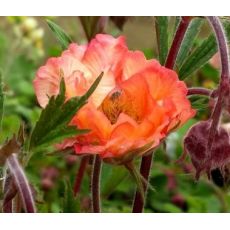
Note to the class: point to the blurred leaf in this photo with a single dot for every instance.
(114, 176)
(199, 103)
(201, 54)
(148, 53)
(167, 207)
(161, 24)
(119, 21)
(3, 48)
(52, 126)
(190, 36)
(10, 124)
(1, 101)
(210, 73)
(19, 76)
(70, 203)
(60, 34)
(90, 25)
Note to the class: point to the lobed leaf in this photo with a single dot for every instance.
(53, 124)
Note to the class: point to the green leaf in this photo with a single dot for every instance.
(198, 102)
(1, 101)
(53, 124)
(201, 54)
(70, 203)
(190, 36)
(113, 177)
(198, 57)
(60, 34)
(161, 24)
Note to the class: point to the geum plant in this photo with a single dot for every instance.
(109, 104)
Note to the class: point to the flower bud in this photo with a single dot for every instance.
(195, 144)
(49, 176)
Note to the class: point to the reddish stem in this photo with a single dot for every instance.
(146, 163)
(199, 91)
(21, 183)
(95, 185)
(178, 38)
(80, 174)
(224, 81)
(10, 192)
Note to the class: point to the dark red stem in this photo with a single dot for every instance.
(95, 185)
(199, 91)
(21, 183)
(80, 174)
(178, 38)
(138, 203)
(224, 81)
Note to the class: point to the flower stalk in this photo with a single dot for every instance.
(146, 162)
(80, 174)
(224, 81)
(199, 91)
(95, 185)
(21, 183)
(176, 44)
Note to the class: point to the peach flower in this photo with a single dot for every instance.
(137, 103)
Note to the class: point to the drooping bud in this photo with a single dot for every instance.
(195, 144)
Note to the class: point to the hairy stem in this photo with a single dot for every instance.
(95, 185)
(176, 44)
(10, 192)
(80, 174)
(199, 91)
(145, 167)
(21, 183)
(224, 81)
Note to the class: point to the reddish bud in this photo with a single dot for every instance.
(49, 176)
(71, 160)
(179, 201)
(171, 183)
(195, 143)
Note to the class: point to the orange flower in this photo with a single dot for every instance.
(137, 103)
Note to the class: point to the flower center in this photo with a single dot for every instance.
(118, 102)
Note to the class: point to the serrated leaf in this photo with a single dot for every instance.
(60, 34)
(201, 54)
(59, 134)
(161, 24)
(190, 36)
(70, 203)
(52, 126)
(1, 101)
